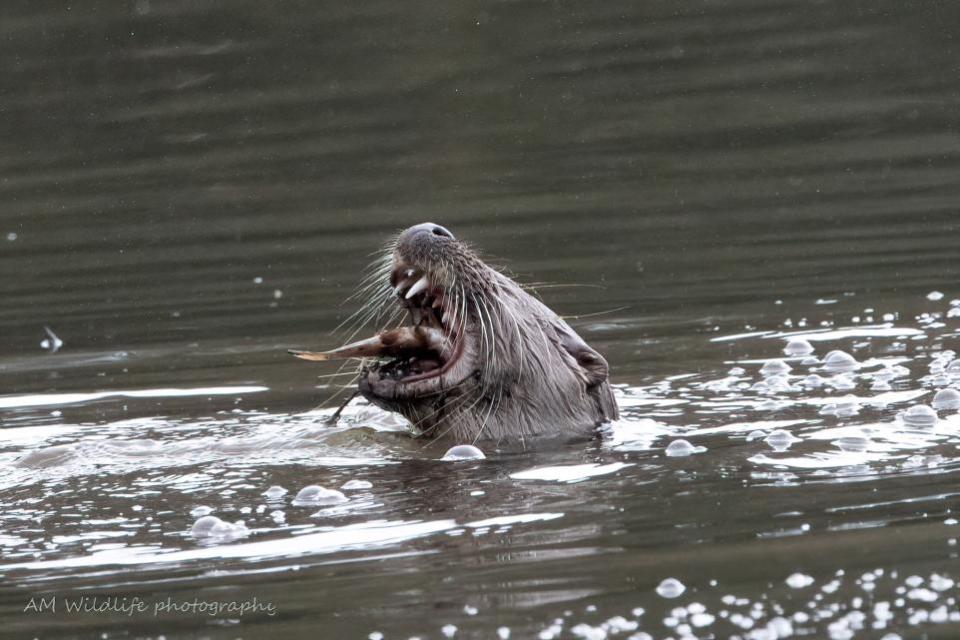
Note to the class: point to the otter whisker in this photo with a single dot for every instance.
(458, 406)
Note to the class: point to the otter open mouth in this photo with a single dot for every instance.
(427, 355)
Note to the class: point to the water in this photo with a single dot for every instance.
(188, 190)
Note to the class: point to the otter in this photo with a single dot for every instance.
(480, 359)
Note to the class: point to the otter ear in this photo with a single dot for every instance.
(594, 366)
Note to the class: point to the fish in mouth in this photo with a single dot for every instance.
(479, 357)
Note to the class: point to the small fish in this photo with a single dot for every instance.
(51, 343)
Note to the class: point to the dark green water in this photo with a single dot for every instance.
(187, 189)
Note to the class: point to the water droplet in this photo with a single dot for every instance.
(670, 588)
(197, 512)
(463, 452)
(798, 347)
(449, 630)
(935, 296)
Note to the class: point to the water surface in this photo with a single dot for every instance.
(188, 189)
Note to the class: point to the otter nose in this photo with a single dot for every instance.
(429, 227)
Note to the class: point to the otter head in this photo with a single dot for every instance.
(478, 357)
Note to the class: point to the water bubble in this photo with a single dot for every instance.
(449, 630)
(798, 347)
(681, 447)
(197, 512)
(214, 527)
(846, 406)
(799, 581)
(923, 595)
(701, 619)
(953, 369)
(11, 236)
(838, 360)
(814, 380)
(618, 624)
(375, 635)
(935, 296)
(756, 434)
(940, 583)
(357, 484)
(842, 382)
(275, 492)
(463, 452)
(670, 588)
(853, 444)
(919, 415)
(779, 382)
(737, 371)
(947, 399)
(781, 440)
(314, 495)
(774, 368)
(503, 633)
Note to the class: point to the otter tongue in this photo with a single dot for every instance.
(394, 342)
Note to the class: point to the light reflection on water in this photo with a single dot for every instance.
(189, 189)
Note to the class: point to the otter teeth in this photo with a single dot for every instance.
(417, 287)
